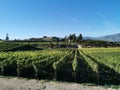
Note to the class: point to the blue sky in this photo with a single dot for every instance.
(36, 18)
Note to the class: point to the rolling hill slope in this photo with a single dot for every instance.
(112, 38)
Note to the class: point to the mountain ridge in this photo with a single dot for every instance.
(111, 38)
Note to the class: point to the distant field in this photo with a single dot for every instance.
(86, 65)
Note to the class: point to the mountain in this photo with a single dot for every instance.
(112, 38)
(86, 38)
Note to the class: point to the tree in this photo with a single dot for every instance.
(7, 37)
(65, 39)
(79, 39)
(70, 37)
(74, 37)
(56, 39)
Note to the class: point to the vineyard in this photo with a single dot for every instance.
(7, 46)
(91, 65)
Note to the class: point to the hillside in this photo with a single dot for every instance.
(7, 46)
(112, 38)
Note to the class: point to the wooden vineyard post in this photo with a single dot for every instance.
(36, 75)
(55, 75)
(18, 69)
(35, 69)
(75, 76)
(98, 81)
(2, 70)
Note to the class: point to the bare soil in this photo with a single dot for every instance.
(24, 84)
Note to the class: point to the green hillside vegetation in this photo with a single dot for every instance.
(24, 48)
(4, 46)
(10, 46)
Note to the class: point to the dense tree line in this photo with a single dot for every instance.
(73, 38)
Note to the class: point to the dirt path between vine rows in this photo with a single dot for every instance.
(23, 84)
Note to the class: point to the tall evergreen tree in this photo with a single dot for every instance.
(80, 38)
(7, 37)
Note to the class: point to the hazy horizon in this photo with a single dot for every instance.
(23, 19)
